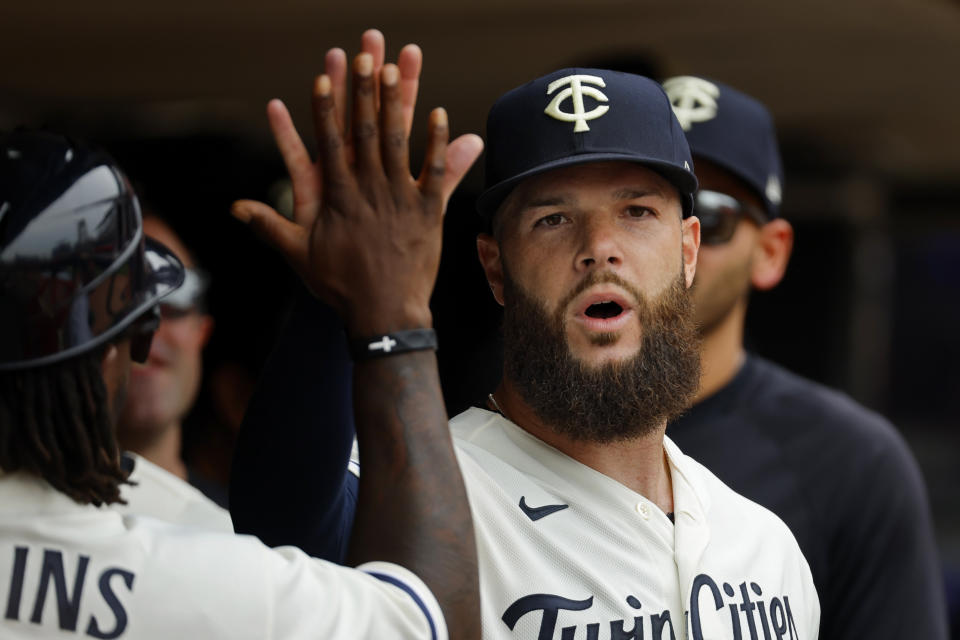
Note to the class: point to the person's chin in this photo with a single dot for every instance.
(596, 349)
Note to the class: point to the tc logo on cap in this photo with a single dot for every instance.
(773, 191)
(693, 99)
(576, 91)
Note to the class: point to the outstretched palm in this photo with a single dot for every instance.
(359, 216)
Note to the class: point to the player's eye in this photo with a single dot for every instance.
(637, 211)
(552, 220)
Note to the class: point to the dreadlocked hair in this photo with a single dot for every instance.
(55, 423)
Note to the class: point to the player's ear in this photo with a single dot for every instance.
(771, 254)
(488, 250)
(690, 247)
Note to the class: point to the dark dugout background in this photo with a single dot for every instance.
(864, 94)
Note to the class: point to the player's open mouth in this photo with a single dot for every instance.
(604, 312)
(608, 309)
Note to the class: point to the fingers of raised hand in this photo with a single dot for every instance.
(434, 163)
(461, 154)
(366, 141)
(373, 42)
(394, 131)
(335, 66)
(410, 62)
(303, 174)
(288, 237)
(330, 147)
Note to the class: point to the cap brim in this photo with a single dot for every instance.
(685, 182)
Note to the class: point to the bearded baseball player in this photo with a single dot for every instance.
(839, 475)
(590, 523)
(79, 290)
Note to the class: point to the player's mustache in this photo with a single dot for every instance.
(603, 277)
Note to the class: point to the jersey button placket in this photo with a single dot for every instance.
(644, 510)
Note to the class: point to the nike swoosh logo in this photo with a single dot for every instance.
(535, 513)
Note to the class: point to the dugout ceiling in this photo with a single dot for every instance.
(871, 81)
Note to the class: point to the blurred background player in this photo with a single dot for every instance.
(839, 475)
(163, 390)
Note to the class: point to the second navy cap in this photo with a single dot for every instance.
(732, 130)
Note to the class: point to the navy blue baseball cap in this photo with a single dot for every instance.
(576, 116)
(732, 130)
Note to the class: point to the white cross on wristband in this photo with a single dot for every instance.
(393, 343)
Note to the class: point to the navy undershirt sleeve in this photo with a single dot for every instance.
(289, 484)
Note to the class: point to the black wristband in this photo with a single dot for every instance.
(391, 344)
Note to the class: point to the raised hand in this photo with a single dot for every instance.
(366, 239)
(296, 239)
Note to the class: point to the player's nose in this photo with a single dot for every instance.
(598, 243)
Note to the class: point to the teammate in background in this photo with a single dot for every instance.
(839, 475)
(79, 289)
(589, 522)
(162, 391)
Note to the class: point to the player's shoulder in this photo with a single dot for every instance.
(485, 439)
(494, 454)
(479, 436)
(157, 493)
(481, 444)
(474, 424)
(796, 399)
(175, 544)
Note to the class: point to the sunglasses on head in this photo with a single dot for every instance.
(719, 215)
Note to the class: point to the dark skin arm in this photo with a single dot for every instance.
(372, 251)
(409, 511)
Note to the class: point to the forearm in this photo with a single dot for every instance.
(413, 508)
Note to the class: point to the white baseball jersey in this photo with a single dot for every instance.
(567, 553)
(159, 494)
(75, 571)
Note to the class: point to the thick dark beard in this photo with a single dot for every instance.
(616, 400)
